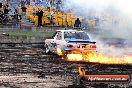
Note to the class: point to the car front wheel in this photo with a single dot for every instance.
(47, 51)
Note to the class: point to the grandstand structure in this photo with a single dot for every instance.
(60, 18)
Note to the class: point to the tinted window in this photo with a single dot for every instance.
(76, 35)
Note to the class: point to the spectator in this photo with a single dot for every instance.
(23, 9)
(32, 3)
(1, 16)
(54, 7)
(28, 2)
(58, 6)
(53, 2)
(6, 10)
(37, 1)
(66, 27)
(40, 3)
(22, 3)
(77, 23)
(49, 16)
(15, 18)
(52, 17)
(10, 13)
(0, 4)
(16, 13)
(48, 5)
(40, 15)
(33, 12)
(52, 13)
(50, 1)
(44, 2)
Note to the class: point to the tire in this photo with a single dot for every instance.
(47, 50)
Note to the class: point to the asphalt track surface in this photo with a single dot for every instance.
(25, 66)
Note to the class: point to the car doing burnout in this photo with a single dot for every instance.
(69, 40)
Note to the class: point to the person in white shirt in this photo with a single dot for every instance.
(32, 2)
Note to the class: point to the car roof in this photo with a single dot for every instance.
(68, 30)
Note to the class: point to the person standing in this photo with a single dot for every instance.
(44, 2)
(77, 23)
(28, 2)
(58, 6)
(48, 5)
(15, 19)
(34, 12)
(22, 3)
(0, 3)
(6, 10)
(40, 15)
(32, 2)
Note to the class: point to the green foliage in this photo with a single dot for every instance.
(32, 34)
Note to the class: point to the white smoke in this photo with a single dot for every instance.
(115, 15)
(100, 5)
(118, 11)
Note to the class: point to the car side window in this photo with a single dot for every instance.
(59, 36)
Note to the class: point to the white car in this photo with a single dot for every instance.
(65, 41)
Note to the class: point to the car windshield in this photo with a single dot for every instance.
(75, 36)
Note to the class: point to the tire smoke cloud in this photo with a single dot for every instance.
(114, 15)
(115, 20)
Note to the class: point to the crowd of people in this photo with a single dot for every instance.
(55, 4)
(5, 10)
(14, 15)
(8, 14)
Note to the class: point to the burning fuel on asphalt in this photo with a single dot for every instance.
(99, 58)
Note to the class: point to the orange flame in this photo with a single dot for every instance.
(81, 71)
(98, 58)
(59, 52)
